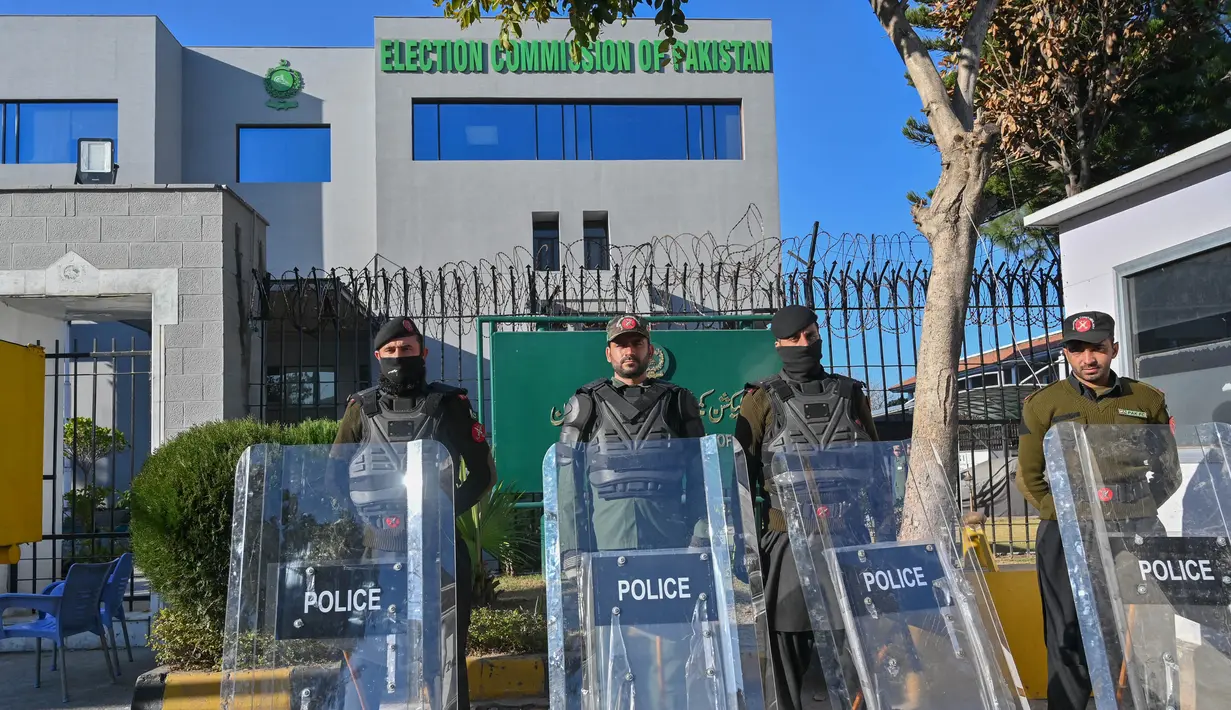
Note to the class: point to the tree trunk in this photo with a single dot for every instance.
(948, 223)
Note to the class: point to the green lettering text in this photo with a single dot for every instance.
(410, 56)
(764, 57)
(724, 56)
(587, 59)
(551, 55)
(476, 56)
(704, 61)
(748, 57)
(690, 57)
(498, 61)
(625, 62)
(386, 55)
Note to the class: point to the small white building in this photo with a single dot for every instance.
(1153, 248)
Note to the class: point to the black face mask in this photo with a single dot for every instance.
(801, 362)
(403, 373)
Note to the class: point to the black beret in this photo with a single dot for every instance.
(790, 320)
(394, 329)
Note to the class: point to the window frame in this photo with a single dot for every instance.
(1122, 273)
(239, 127)
(537, 218)
(588, 218)
(15, 146)
(584, 105)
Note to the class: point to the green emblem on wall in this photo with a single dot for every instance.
(283, 84)
(660, 362)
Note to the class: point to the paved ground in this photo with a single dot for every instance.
(88, 685)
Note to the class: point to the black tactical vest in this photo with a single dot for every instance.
(377, 487)
(619, 430)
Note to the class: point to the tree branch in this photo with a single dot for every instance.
(923, 73)
(968, 61)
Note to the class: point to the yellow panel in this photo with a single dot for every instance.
(1020, 607)
(21, 434)
(502, 678)
(254, 690)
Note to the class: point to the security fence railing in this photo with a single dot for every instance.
(315, 327)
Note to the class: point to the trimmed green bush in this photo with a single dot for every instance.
(507, 632)
(182, 503)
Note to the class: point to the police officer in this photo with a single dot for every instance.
(403, 406)
(778, 412)
(1092, 394)
(632, 407)
(626, 494)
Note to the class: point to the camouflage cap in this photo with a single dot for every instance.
(626, 324)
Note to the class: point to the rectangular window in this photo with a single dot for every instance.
(427, 131)
(284, 154)
(573, 131)
(1182, 304)
(546, 241)
(291, 387)
(487, 132)
(597, 241)
(47, 131)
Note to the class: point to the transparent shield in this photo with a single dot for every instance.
(1143, 514)
(653, 577)
(341, 590)
(901, 613)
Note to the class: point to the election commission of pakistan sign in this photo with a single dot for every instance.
(547, 56)
(534, 374)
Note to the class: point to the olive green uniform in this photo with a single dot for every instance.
(1123, 402)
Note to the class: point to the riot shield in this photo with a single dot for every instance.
(341, 590)
(1143, 515)
(900, 610)
(653, 577)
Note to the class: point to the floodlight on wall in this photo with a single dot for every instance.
(96, 161)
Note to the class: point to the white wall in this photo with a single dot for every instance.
(1156, 220)
(25, 329)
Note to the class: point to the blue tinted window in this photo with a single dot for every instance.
(546, 243)
(47, 132)
(730, 134)
(694, 132)
(487, 132)
(427, 131)
(639, 132)
(551, 132)
(584, 124)
(284, 154)
(601, 131)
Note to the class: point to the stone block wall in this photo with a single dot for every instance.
(209, 238)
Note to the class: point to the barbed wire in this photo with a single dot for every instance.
(857, 283)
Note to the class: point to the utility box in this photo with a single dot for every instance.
(21, 442)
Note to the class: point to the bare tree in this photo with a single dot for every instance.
(947, 219)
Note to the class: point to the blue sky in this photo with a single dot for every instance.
(841, 95)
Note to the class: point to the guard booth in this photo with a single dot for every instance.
(21, 421)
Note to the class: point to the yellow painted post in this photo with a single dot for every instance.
(21, 426)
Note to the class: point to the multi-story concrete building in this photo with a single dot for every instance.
(431, 147)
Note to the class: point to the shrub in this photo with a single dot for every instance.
(182, 502)
(507, 632)
(184, 638)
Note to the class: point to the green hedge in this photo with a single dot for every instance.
(512, 632)
(182, 502)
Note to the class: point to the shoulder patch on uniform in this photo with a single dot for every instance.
(478, 433)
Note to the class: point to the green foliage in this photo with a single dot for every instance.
(586, 19)
(311, 432)
(182, 503)
(504, 533)
(185, 638)
(507, 632)
(85, 443)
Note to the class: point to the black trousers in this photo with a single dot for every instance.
(465, 592)
(1068, 676)
(790, 655)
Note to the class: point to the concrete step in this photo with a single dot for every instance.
(138, 629)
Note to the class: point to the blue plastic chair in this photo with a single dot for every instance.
(113, 605)
(74, 611)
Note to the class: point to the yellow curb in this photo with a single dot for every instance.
(505, 677)
(1015, 592)
(261, 690)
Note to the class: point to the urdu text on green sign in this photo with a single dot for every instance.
(535, 373)
(548, 56)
